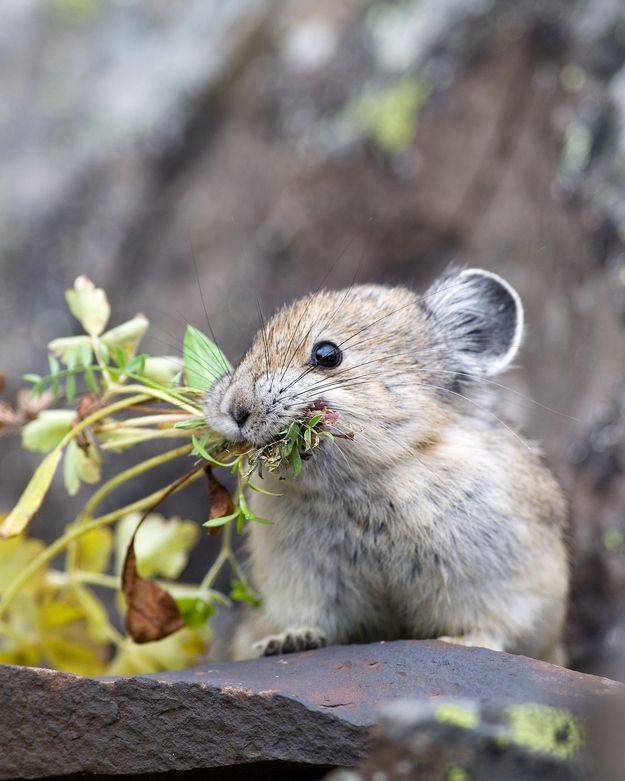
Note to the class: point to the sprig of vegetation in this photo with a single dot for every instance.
(115, 397)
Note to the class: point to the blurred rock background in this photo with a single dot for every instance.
(275, 142)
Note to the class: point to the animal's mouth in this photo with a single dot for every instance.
(298, 440)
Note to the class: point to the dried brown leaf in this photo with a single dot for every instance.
(8, 416)
(220, 500)
(30, 406)
(152, 612)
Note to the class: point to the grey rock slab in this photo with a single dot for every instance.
(291, 715)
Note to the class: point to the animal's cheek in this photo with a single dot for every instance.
(214, 396)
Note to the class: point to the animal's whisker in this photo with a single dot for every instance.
(204, 307)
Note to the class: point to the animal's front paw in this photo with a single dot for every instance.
(304, 638)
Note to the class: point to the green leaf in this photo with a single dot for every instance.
(119, 356)
(308, 438)
(33, 495)
(91, 381)
(190, 423)
(315, 419)
(260, 490)
(296, 461)
(203, 360)
(195, 611)
(38, 383)
(199, 449)
(46, 431)
(239, 592)
(137, 365)
(212, 524)
(70, 388)
(80, 465)
(55, 368)
(162, 546)
(86, 354)
(89, 305)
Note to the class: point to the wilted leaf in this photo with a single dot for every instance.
(95, 613)
(162, 546)
(221, 505)
(8, 416)
(3, 379)
(32, 497)
(126, 337)
(152, 612)
(203, 360)
(74, 655)
(48, 429)
(173, 653)
(89, 305)
(93, 550)
(71, 349)
(30, 406)
(80, 465)
(15, 555)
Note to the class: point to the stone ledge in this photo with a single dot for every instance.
(294, 715)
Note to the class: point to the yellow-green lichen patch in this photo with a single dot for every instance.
(545, 730)
(463, 716)
(389, 115)
(457, 773)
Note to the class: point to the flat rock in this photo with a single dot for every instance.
(289, 716)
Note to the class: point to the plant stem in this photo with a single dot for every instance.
(110, 409)
(158, 394)
(224, 556)
(113, 582)
(128, 474)
(146, 420)
(143, 435)
(75, 531)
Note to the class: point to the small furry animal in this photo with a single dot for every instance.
(437, 520)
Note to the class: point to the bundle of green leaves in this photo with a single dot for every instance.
(103, 397)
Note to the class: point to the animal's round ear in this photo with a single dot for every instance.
(482, 318)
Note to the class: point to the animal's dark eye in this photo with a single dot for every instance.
(326, 354)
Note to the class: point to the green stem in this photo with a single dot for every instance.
(77, 530)
(113, 582)
(222, 558)
(129, 474)
(158, 394)
(143, 435)
(101, 413)
(146, 420)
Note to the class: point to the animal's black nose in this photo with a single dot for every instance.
(239, 413)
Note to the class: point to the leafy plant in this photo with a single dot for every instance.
(111, 397)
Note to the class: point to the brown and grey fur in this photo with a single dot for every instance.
(437, 520)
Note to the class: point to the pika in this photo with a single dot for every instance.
(438, 520)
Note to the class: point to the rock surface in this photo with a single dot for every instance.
(290, 717)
